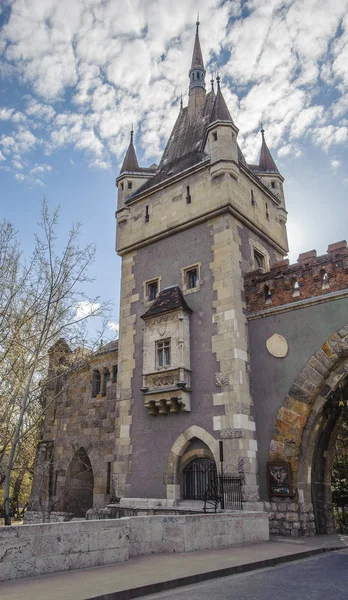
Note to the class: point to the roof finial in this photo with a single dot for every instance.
(212, 83)
(218, 83)
(197, 22)
(262, 131)
(181, 106)
(132, 133)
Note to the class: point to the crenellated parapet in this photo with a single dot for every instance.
(312, 276)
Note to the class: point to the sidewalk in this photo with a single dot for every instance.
(157, 573)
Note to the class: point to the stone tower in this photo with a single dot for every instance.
(187, 232)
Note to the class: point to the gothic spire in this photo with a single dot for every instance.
(266, 162)
(130, 162)
(197, 71)
(197, 58)
(220, 111)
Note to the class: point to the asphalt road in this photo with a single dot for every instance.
(319, 578)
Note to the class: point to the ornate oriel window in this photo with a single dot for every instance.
(166, 354)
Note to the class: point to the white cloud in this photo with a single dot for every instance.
(124, 63)
(40, 168)
(85, 309)
(30, 180)
(335, 164)
(17, 165)
(2, 157)
(114, 326)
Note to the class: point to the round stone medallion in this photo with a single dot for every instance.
(277, 345)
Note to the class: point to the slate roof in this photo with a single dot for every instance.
(197, 58)
(109, 347)
(130, 162)
(220, 111)
(167, 300)
(266, 162)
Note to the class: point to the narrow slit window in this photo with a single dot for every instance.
(273, 185)
(267, 211)
(295, 287)
(215, 136)
(96, 383)
(325, 283)
(114, 373)
(188, 195)
(252, 198)
(108, 478)
(267, 294)
(147, 216)
(122, 186)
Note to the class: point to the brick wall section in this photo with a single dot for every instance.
(308, 272)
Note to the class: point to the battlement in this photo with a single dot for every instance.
(311, 276)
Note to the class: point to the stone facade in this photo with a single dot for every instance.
(78, 416)
(250, 362)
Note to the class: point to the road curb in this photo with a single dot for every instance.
(162, 586)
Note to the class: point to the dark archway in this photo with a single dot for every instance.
(79, 484)
(321, 476)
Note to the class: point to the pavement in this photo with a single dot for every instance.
(147, 575)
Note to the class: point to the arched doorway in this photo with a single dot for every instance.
(79, 484)
(304, 436)
(329, 424)
(198, 476)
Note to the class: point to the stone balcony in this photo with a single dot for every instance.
(167, 391)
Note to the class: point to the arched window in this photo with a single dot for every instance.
(325, 283)
(106, 379)
(96, 383)
(79, 484)
(267, 294)
(295, 287)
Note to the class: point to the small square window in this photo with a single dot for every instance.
(259, 260)
(152, 290)
(163, 354)
(191, 278)
(130, 185)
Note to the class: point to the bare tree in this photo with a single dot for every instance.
(42, 302)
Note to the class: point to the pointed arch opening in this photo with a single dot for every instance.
(79, 484)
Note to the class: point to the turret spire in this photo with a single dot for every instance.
(130, 162)
(220, 111)
(266, 162)
(197, 71)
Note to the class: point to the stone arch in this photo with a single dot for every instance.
(79, 484)
(178, 450)
(300, 421)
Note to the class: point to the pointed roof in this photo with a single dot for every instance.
(197, 58)
(130, 162)
(167, 300)
(220, 111)
(266, 162)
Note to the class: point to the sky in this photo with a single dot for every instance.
(76, 75)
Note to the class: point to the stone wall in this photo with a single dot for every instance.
(311, 277)
(31, 550)
(290, 518)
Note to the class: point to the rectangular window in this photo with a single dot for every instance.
(192, 278)
(147, 216)
(259, 260)
(152, 290)
(215, 136)
(130, 185)
(122, 186)
(108, 478)
(163, 357)
(273, 185)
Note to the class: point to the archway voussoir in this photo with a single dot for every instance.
(343, 333)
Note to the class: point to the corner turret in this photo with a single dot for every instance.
(221, 139)
(131, 177)
(268, 171)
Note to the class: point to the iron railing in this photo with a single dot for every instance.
(201, 482)
(197, 478)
